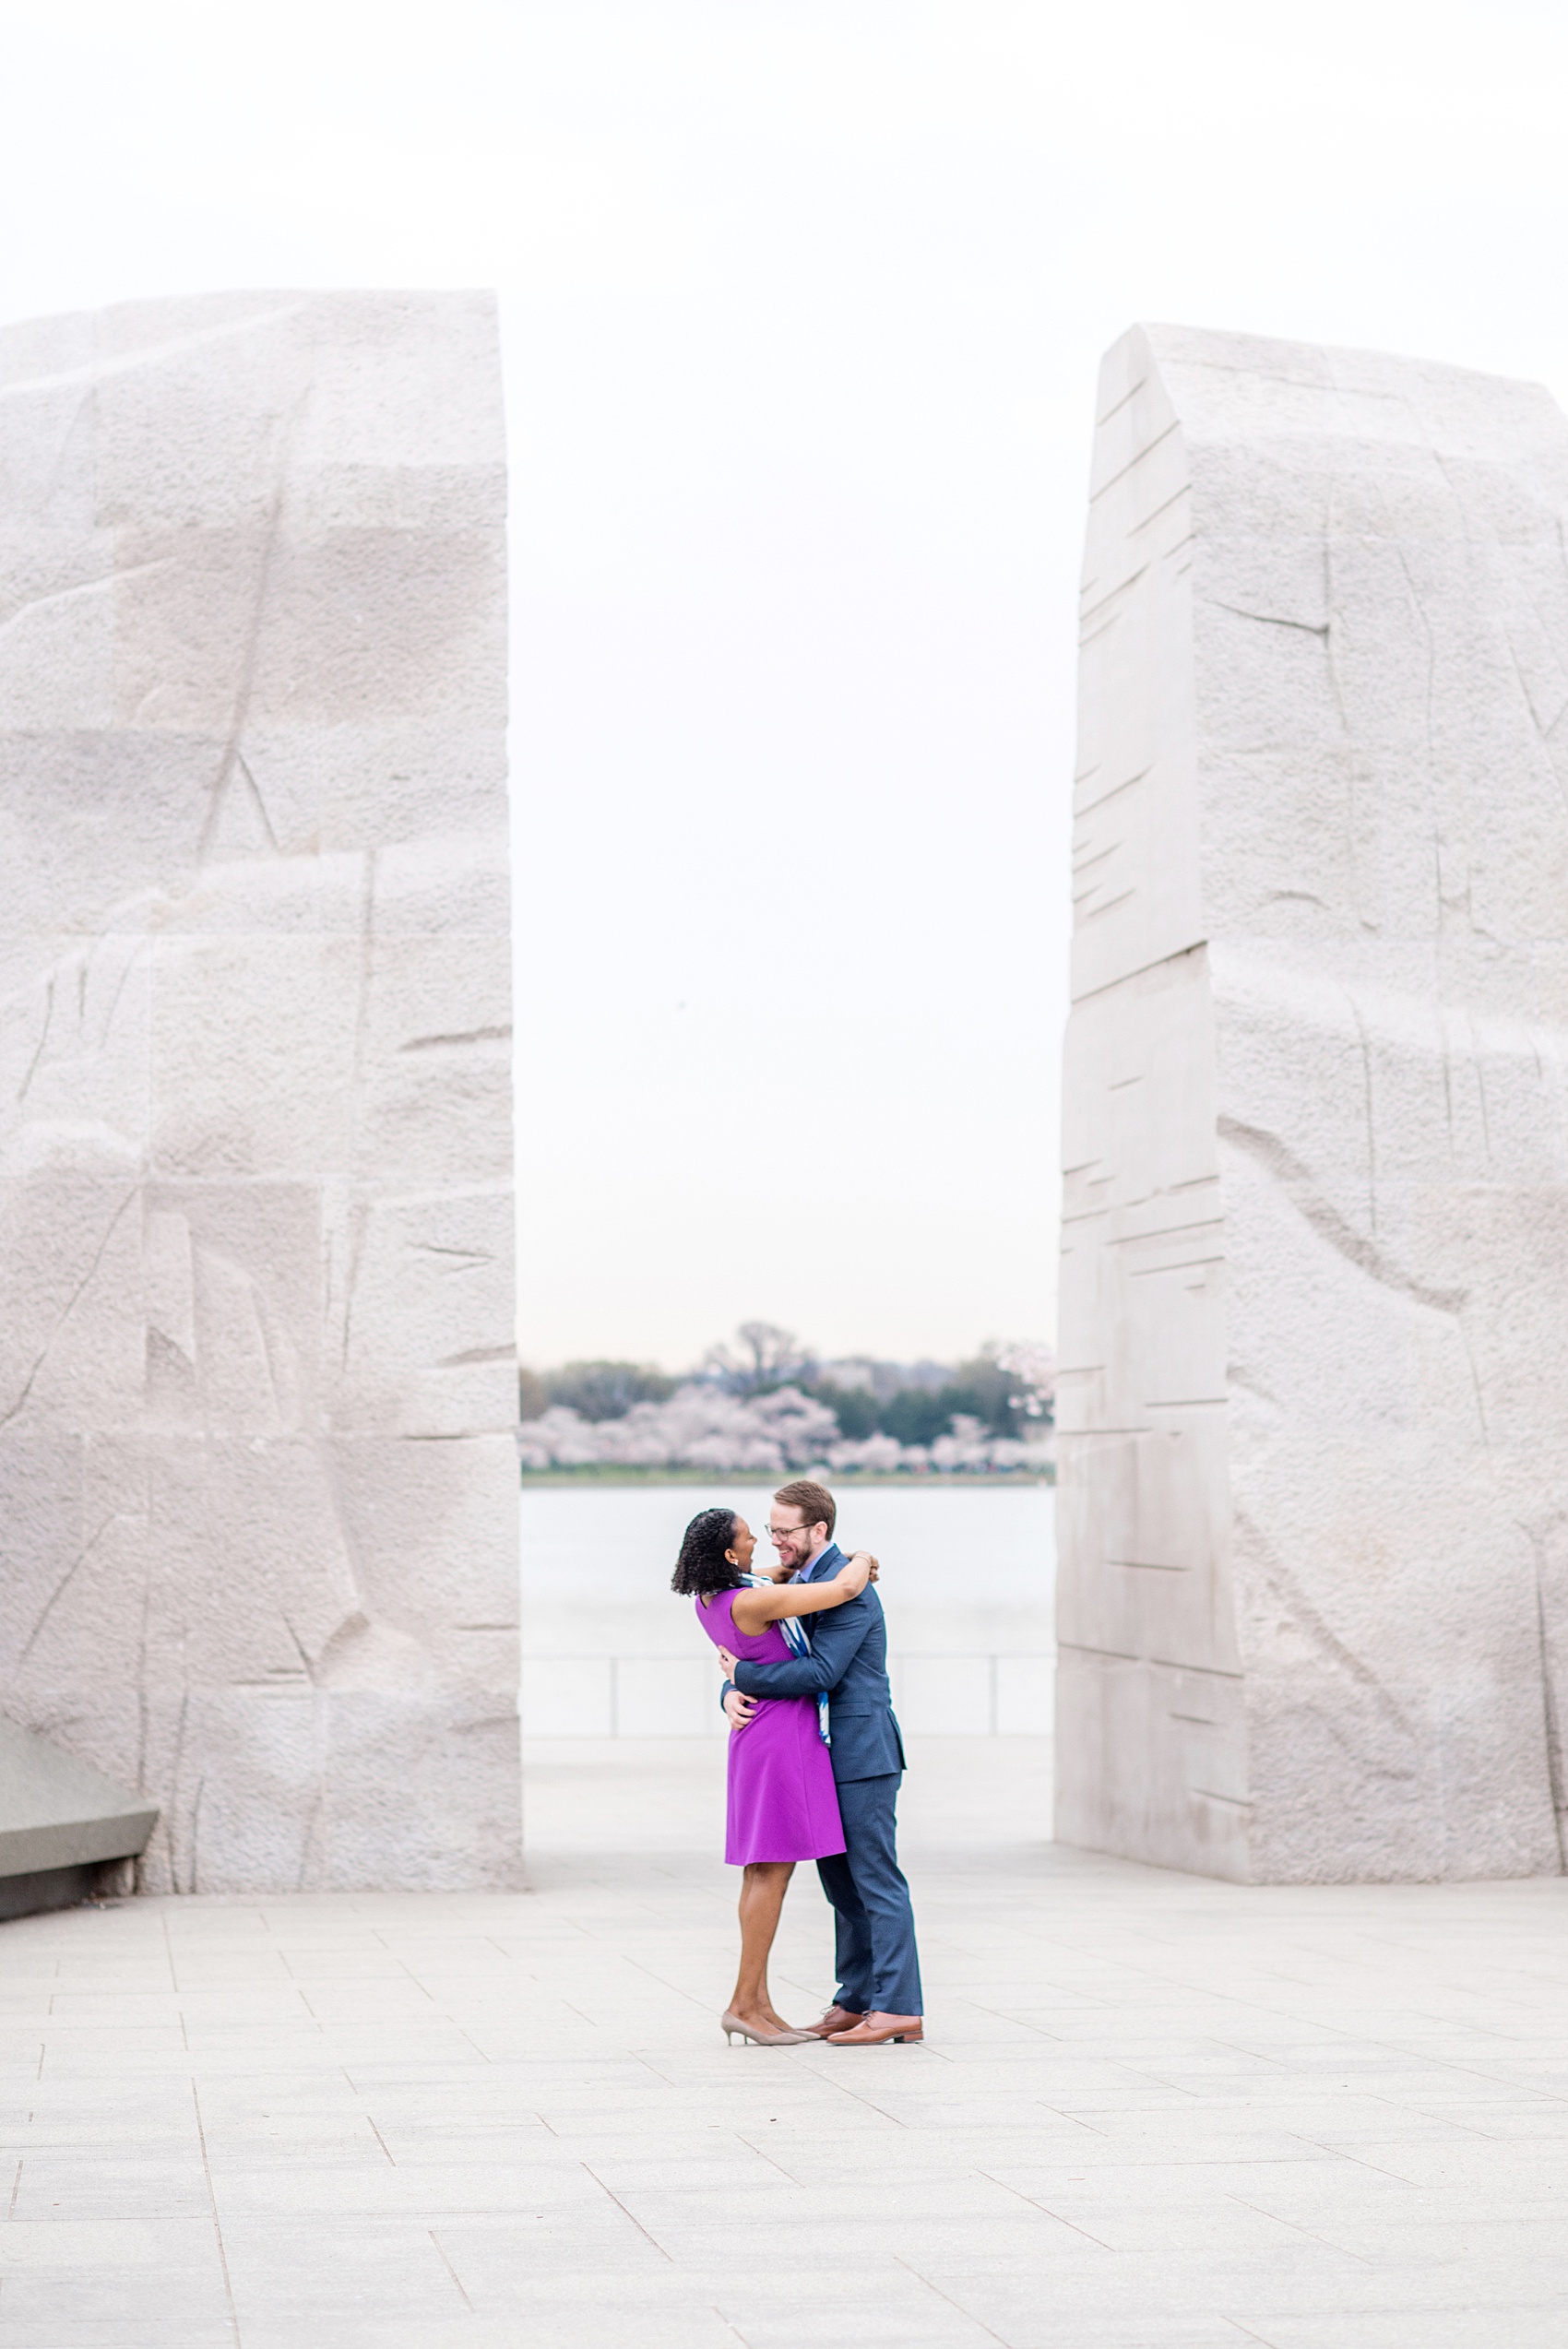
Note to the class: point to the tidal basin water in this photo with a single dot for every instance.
(968, 1581)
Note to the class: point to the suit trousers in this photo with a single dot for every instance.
(878, 1966)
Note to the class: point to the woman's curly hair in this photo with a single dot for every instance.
(702, 1566)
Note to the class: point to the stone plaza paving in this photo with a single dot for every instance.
(1152, 2109)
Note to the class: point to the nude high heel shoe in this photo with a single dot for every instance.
(733, 2028)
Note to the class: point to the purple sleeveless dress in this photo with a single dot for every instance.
(783, 1803)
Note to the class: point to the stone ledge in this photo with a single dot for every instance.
(59, 1816)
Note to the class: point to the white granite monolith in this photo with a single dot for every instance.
(1314, 1401)
(257, 1477)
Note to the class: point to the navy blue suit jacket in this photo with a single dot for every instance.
(849, 1658)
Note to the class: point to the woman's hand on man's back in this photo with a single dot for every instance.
(861, 1570)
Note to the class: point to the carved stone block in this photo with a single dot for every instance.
(1313, 1598)
(257, 1387)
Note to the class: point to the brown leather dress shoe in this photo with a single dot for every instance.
(875, 2030)
(836, 2018)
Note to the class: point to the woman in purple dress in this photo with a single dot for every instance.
(783, 1804)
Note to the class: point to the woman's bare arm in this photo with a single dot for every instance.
(754, 1611)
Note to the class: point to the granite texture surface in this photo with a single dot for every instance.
(256, 1371)
(1313, 1510)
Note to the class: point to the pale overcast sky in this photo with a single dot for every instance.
(802, 303)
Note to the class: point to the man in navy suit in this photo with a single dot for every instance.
(878, 1996)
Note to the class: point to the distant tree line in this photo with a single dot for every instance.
(1007, 1390)
(979, 1389)
(593, 1390)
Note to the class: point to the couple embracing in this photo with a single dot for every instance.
(815, 1759)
